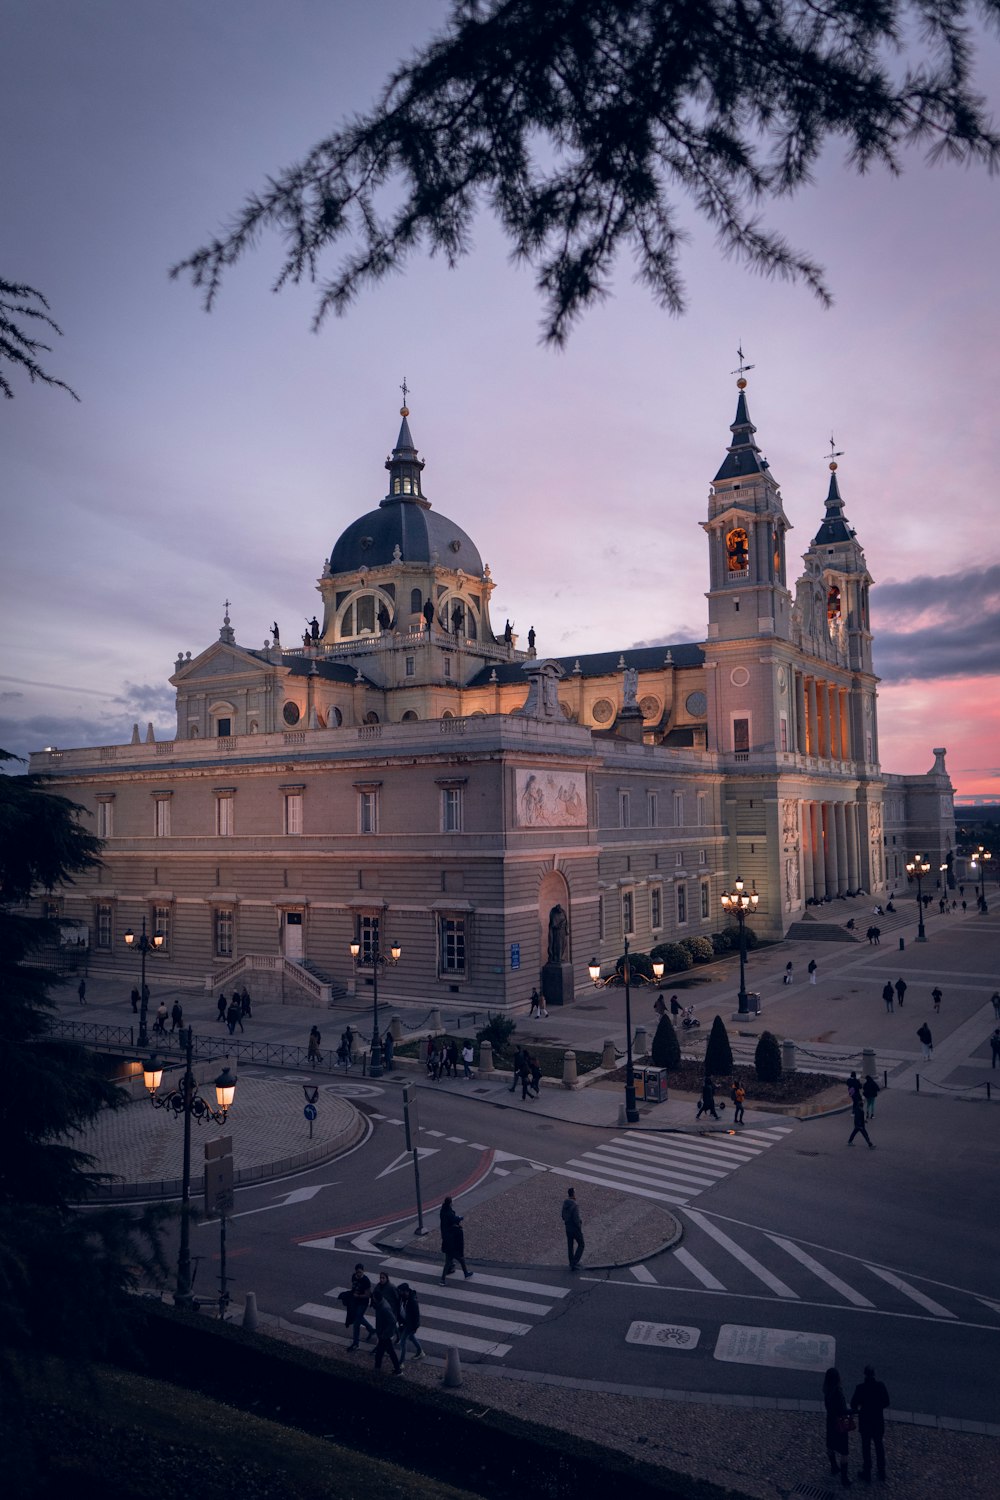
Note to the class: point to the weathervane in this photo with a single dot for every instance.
(404, 410)
(743, 367)
(834, 453)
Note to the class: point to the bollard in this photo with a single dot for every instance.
(868, 1062)
(788, 1057)
(622, 1117)
(902, 944)
(486, 1059)
(250, 1312)
(569, 1070)
(396, 1029)
(608, 1055)
(435, 1021)
(452, 1371)
(918, 1083)
(640, 1043)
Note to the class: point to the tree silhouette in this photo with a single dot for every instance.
(587, 128)
(666, 1049)
(718, 1053)
(767, 1058)
(17, 347)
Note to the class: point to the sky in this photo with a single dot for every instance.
(217, 456)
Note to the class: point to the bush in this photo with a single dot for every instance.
(666, 1051)
(718, 1053)
(767, 1058)
(733, 934)
(674, 957)
(700, 949)
(498, 1032)
(721, 942)
(639, 965)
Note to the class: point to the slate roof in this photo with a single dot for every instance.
(600, 663)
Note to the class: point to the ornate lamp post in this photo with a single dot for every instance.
(738, 902)
(918, 867)
(979, 859)
(144, 945)
(186, 1100)
(594, 970)
(378, 961)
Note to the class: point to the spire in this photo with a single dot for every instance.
(744, 457)
(226, 633)
(403, 463)
(834, 527)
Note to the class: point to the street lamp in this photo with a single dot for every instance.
(185, 1100)
(145, 945)
(738, 902)
(378, 961)
(594, 970)
(979, 858)
(917, 868)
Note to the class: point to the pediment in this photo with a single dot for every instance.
(221, 661)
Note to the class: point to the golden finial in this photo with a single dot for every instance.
(835, 453)
(404, 410)
(741, 384)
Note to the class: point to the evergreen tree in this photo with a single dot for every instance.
(718, 1053)
(666, 1051)
(17, 347)
(767, 1058)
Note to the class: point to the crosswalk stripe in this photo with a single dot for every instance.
(697, 1270)
(462, 1341)
(667, 1161)
(679, 1152)
(472, 1320)
(713, 1153)
(504, 1283)
(743, 1256)
(764, 1137)
(643, 1274)
(637, 1192)
(804, 1259)
(434, 1290)
(927, 1303)
(618, 1166)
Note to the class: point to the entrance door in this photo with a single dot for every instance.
(293, 935)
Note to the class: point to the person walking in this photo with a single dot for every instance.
(900, 991)
(813, 966)
(176, 1016)
(160, 1024)
(788, 972)
(877, 935)
(134, 997)
(706, 1104)
(937, 997)
(451, 1059)
(573, 1225)
(468, 1055)
(739, 1095)
(245, 1003)
(222, 1006)
(858, 1115)
(995, 1002)
(386, 1329)
(452, 1240)
(839, 1425)
(535, 1069)
(388, 1048)
(995, 1045)
(81, 990)
(518, 1055)
(675, 1006)
(387, 1289)
(234, 1015)
(409, 1322)
(536, 1006)
(888, 995)
(313, 1054)
(869, 1404)
(359, 1298)
(853, 1086)
(524, 1075)
(870, 1092)
(924, 1033)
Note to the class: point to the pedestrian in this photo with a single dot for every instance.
(222, 1006)
(160, 1024)
(900, 991)
(839, 1424)
(888, 994)
(346, 1049)
(573, 1225)
(536, 1005)
(387, 1290)
(81, 990)
(660, 1005)
(870, 1092)
(234, 1016)
(386, 1330)
(245, 1003)
(359, 1297)
(135, 1001)
(877, 935)
(869, 1403)
(858, 1115)
(924, 1033)
(518, 1055)
(452, 1240)
(675, 1007)
(813, 966)
(535, 1068)
(995, 1002)
(388, 1049)
(524, 1074)
(788, 972)
(706, 1104)
(409, 1322)
(451, 1057)
(467, 1059)
(313, 1054)
(739, 1095)
(937, 997)
(176, 1016)
(870, 934)
(995, 1046)
(853, 1086)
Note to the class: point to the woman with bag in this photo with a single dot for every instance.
(839, 1424)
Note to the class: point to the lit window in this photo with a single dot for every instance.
(451, 935)
(161, 924)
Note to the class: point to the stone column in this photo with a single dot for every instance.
(830, 841)
(808, 886)
(840, 824)
(800, 713)
(833, 713)
(853, 864)
(819, 875)
(812, 740)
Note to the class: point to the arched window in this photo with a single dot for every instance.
(833, 603)
(409, 716)
(416, 601)
(737, 550)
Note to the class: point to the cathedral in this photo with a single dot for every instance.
(410, 772)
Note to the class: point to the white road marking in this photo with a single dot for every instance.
(710, 1282)
(503, 1283)
(653, 1176)
(814, 1266)
(643, 1274)
(743, 1256)
(660, 1167)
(638, 1192)
(927, 1303)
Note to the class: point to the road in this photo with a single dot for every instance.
(849, 1255)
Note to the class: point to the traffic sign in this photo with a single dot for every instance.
(310, 1112)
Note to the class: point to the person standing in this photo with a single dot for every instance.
(870, 1092)
(234, 1016)
(853, 1086)
(245, 1003)
(518, 1055)
(386, 1330)
(524, 1074)
(160, 1023)
(388, 1048)
(739, 1096)
(135, 1000)
(812, 970)
(877, 935)
(360, 1295)
(706, 1104)
(869, 1402)
(313, 1054)
(468, 1055)
(995, 1045)
(536, 1005)
(222, 1007)
(409, 1322)
(788, 972)
(535, 1069)
(858, 1114)
(937, 997)
(573, 1225)
(900, 991)
(81, 990)
(838, 1425)
(888, 994)
(675, 1007)
(924, 1033)
(452, 1240)
(995, 1002)
(387, 1290)
(176, 1016)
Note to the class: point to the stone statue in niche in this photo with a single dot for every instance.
(630, 687)
(558, 935)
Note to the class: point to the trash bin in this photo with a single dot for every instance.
(654, 1085)
(640, 1083)
(753, 1003)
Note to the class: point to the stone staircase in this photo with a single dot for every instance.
(338, 992)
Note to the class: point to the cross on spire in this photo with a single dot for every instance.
(834, 453)
(404, 410)
(743, 366)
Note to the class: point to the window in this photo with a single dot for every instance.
(366, 614)
(451, 942)
(161, 817)
(678, 809)
(706, 899)
(411, 666)
(104, 928)
(783, 731)
(741, 736)
(600, 919)
(652, 809)
(224, 810)
(224, 728)
(679, 860)
(702, 810)
(655, 907)
(293, 812)
(628, 913)
(368, 936)
(447, 666)
(105, 817)
(416, 601)
(703, 856)
(222, 921)
(451, 809)
(737, 550)
(682, 914)
(623, 809)
(368, 811)
(161, 923)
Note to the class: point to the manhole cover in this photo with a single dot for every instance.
(811, 1491)
(806, 1153)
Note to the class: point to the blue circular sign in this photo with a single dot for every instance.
(310, 1111)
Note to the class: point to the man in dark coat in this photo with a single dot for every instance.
(858, 1114)
(386, 1330)
(452, 1241)
(573, 1225)
(361, 1290)
(706, 1104)
(409, 1322)
(869, 1402)
(900, 992)
(888, 995)
(176, 1016)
